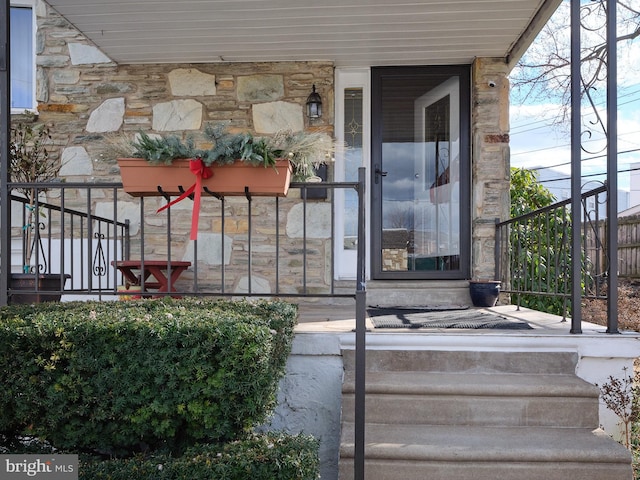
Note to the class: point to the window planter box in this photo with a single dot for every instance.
(141, 179)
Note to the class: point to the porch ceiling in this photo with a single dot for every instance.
(347, 32)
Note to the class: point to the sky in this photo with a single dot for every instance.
(536, 141)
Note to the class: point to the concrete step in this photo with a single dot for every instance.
(478, 415)
(465, 361)
(466, 452)
(475, 399)
(477, 384)
(385, 293)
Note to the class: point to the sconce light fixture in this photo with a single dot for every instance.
(314, 104)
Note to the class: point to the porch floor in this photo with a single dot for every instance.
(315, 318)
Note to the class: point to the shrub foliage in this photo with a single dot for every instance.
(121, 377)
(258, 457)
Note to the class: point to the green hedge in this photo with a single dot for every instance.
(121, 377)
(264, 457)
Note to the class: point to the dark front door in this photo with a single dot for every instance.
(420, 173)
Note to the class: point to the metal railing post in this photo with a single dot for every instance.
(497, 252)
(5, 125)
(576, 157)
(612, 167)
(361, 328)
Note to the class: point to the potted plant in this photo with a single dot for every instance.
(229, 166)
(29, 163)
(484, 293)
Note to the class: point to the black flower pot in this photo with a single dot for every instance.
(49, 287)
(484, 293)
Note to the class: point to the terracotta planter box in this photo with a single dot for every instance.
(141, 179)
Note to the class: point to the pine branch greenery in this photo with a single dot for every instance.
(305, 150)
(228, 148)
(159, 150)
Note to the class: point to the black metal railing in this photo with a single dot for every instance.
(534, 258)
(247, 246)
(64, 238)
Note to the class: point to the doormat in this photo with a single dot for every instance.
(441, 318)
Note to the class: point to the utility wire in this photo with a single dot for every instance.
(584, 160)
(546, 122)
(568, 145)
(534, 122)
(635, 169)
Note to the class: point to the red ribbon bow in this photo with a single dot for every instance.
(200, 170)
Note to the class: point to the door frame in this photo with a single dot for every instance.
(378, 74)
(345, 261)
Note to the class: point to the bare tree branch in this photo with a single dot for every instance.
(543, 74)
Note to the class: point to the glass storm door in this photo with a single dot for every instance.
(420, 173)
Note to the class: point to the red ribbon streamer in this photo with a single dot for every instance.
(200, 170)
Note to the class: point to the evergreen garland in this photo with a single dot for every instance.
(164, 149)
(304, 150)
(228, 148)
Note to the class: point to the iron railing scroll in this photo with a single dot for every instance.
(67, 239)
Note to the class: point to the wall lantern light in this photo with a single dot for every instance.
(314, 104)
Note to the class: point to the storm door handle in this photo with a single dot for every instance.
(379, 173)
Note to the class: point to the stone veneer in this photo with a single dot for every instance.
(489, 161)
(86, 97)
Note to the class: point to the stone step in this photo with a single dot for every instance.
(411, 452)
(465, 361)
(386, 293)
(478, 415)
(503, 384)
(475, 399)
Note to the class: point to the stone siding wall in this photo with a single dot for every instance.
(88, 100)
(490, 160)
(394, 259)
